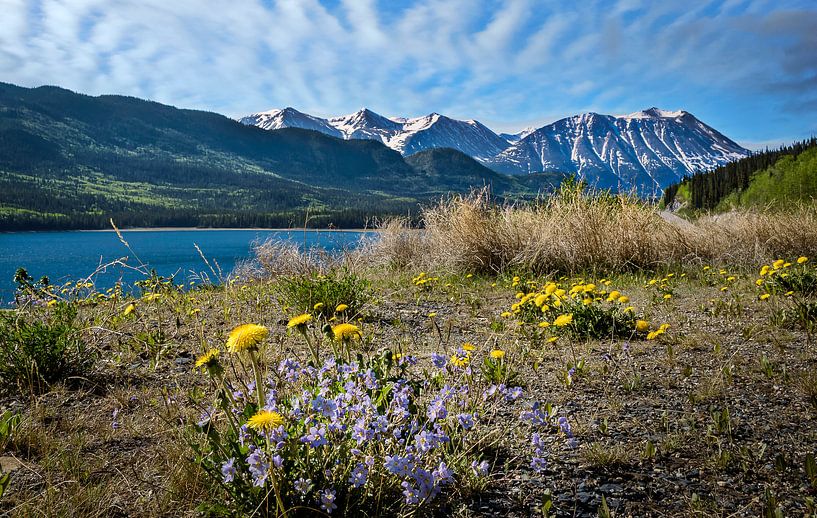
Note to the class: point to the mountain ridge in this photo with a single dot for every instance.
(643, 151)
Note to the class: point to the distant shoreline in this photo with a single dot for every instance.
(176, 229)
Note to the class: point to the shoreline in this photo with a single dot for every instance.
(198, 229)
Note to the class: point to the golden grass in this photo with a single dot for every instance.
(573, 231)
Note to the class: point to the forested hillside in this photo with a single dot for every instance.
(73, 161)
(771, 177)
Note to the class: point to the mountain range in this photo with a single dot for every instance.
(644, 151)
(69, 160)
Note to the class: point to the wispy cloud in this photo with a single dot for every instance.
(748, 67)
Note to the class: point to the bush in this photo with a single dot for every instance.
(321, 294)
(37, 354)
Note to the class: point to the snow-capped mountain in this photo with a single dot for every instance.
(405, 135)
(289, 118)
(519, 135)
(646, 150)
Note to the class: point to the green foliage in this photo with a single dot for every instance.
(73, 161)
(776, 178)
(305, 292)
(38, 353)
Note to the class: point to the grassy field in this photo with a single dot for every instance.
(472, 372)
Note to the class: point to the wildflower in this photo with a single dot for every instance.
(438, 360)
(459, 361)
(303, 486)
(443, 474)
(480, 469)
(667, 296)
(265, 420)
(497, 354)
(759, 282)
(258, 467)
(765, 296)
(208, 359)
(506, 314)
(468, 347)
(317, 307)
(654, 334)
(228, 470)
(802, 259)
(563, 320)
(130, 308)
(432, 314)
(194, 312)
(341, 308)
(316, 437)
(344, 332)
(544, 324)
(300, 321)
(359, 475)
(642, 326)
(466, 421)
(328, 500)
(552, 339)
(246, 337)
(778, 264)
(540, 300)
(624, 299)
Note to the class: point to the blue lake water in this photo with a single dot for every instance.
(64, 256)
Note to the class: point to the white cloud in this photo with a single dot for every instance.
(507, 62)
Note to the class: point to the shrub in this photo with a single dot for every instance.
(322, 294)
(36, 354)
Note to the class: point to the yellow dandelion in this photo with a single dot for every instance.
(246, 337)
(641, 325)
(667, 296)
(194, 312)
(468, 276)
(552, 339)
(724, 288)
(506, 314)
(207, 358)
(497, 354)
(299, 321)
(540, 300)
(759, 282)
(543, 324)
(130, 308)
(344, 332)
(764, 270)
(624, 299)
(707, 268)
(51, 303)
(468, 347)
(432, 314)
(789, 293)
(341, 308)
(765, 296)
(663, 327)
(778, 264)
(317, 307)
(654, 334)
(614, 295)
(550, 288)
(459, 361)
(802, 259)
(265, 420)
(563, 320)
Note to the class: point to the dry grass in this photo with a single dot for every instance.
(574, 231)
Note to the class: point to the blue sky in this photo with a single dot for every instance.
(748, 68)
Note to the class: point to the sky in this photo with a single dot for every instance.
(747, 68)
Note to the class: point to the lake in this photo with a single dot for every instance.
(64, 256)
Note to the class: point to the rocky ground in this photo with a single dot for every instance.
(714, 418)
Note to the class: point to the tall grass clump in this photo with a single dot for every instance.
(568, 231)
(575, 230)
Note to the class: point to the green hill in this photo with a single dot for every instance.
(773, 178)
(73, 161)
